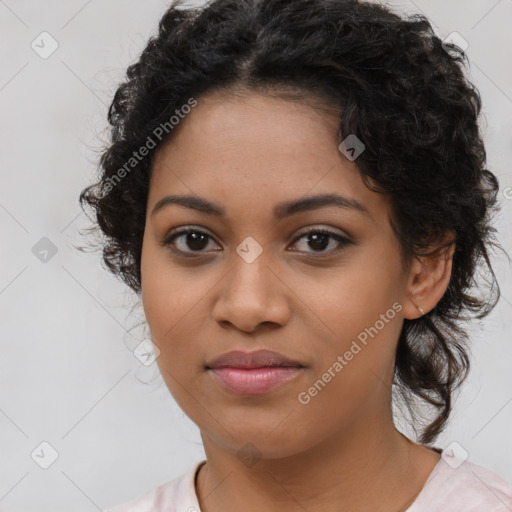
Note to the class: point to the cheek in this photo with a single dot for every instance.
(167, 291)
(163, 307)
(355, 368)
(360, 321)
(352, 298)
(169, 315)
(174, 311)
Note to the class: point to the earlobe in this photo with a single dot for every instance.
(418, 307)
(428, 280)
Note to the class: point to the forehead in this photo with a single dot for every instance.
(251, 150)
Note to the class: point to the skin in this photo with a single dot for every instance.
(248, 152)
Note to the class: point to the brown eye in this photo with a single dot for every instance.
(188, 241)
(194, 242)
(321, 239)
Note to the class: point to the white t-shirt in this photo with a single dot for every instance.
(453, 485)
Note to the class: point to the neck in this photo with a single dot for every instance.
(372, 466)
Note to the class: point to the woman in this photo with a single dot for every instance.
(297, 192)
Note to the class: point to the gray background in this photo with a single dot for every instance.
(67, 373)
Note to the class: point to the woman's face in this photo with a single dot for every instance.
(250, 279)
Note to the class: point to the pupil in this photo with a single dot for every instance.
(196, 243)
(314, 239)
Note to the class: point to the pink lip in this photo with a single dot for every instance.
(254, 381)
(249, 360)
(253, 373)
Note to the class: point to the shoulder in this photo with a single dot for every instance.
(457, 484)
(178, 494)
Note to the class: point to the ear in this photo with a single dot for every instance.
(428, 278)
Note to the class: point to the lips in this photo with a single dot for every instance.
(253, 373)
(251, 360)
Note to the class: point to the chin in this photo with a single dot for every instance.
(262, 441)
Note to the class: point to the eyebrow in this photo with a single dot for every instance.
(281, 210)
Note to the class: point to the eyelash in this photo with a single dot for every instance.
(344, 241)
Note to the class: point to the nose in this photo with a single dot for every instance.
(250, 295)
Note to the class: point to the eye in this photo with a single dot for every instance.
(193, 241)
(191, 238)
(320, 239)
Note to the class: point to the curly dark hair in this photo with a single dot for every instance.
(399, 90)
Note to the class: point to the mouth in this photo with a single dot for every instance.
(253, 373)
(253, 360)
(254, 381)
